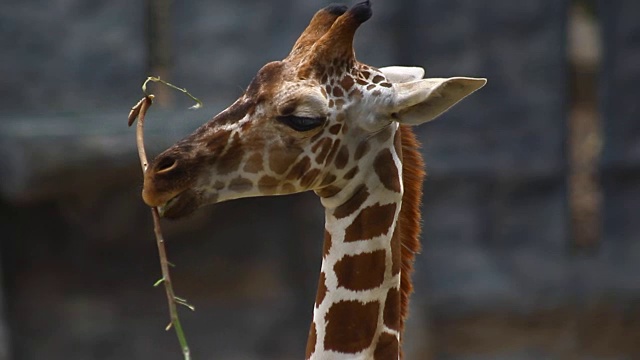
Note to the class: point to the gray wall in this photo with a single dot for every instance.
(497, 277)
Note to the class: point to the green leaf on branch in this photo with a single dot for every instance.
(184, 303)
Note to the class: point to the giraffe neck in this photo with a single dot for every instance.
(357, 314)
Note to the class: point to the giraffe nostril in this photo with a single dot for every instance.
(166, 164)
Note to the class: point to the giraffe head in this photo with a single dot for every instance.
(304, 123)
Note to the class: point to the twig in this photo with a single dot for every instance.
(139, 111)
(198, 104)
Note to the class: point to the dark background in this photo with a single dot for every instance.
(531, 210)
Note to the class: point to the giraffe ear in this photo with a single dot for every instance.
(417, 102)
(401, 74)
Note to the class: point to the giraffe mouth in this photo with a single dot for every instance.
(180, 205)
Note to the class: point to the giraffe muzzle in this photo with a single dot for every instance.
(180, 206)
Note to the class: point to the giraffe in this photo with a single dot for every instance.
(320, 120)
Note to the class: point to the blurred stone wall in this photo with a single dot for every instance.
(620, 169)
(497, 277)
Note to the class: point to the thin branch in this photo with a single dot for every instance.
(198, 104)
(139, 111)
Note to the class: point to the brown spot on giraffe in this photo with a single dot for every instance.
(351, 326)
(308, 178)
(328, 179)
(268, 185)
(387, 170)
(280, 159)
(326, 244)
(372, 221)
(335, 129)
(396, 251)
(361, 150)
(325, 146)
(337, 91)
(364, 271)
(240, 184)
(387, 347)
(253, 164)
(322, 289)
(329, 191)
(362, 82)
(218, 185)
(391, 314)
(347, 82)
(218, 141)
(378, 78)
(360, 195)
(288, 188)
(311, 341)
(299, 169)
(323, 154)
(228, 161)
(351, 173)
(334, 149)
(288, 107)
(342, 157)
(317, 136)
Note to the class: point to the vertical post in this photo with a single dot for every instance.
(584, 125)
(158, 33)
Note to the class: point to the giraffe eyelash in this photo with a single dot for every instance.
(301, 123)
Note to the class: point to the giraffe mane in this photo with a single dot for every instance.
(409, 225)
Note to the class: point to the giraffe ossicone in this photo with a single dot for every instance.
(320, 120)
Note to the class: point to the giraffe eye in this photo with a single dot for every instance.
(301, 123)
